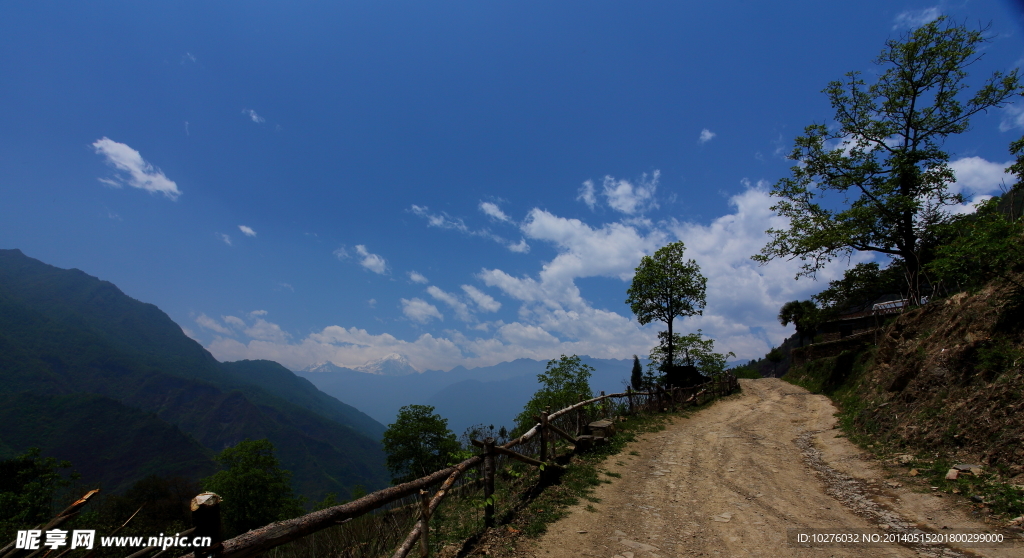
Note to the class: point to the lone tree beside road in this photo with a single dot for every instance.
(418, 443)
(801, 313)
(883, 159)
(666, 287)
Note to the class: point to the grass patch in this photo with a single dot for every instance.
(985, 490)
(611, 474)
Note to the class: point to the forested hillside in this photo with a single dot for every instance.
(113, 385)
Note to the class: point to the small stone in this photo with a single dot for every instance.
(581, 532)
(977, 498)
(952, 474)
(914, 472)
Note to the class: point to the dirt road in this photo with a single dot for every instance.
(730, 481)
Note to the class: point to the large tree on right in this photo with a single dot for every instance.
(878, 179)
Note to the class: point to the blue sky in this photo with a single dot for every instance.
(457, 182)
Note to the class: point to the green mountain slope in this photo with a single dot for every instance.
(65, 333)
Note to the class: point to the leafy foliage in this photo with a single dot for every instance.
(884, 156)
(636, 376)
(987, 245)
(562, 383)
(666, 287)
(803, 314)
(692, 349)
(418, 443)
(28, 484)
(256, 491)
(860, 285)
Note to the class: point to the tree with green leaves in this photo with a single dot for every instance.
(561, 384)
(878, 180)
(418, 443)
(28, 485)
(692, 349)
(255, 489)
(801, 313)
(666, 287)
(861, 285)
(636, 376)
(775, 356)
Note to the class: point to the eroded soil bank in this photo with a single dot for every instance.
(730, 481)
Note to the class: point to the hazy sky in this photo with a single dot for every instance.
(456, 182)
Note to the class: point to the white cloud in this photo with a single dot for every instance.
(460, 308)
(373, 262)
(912, 19)
(372, 303)
(629, 198)
(137, 172)
(341, 253)
(520, 247)
(233, 321)
(225, 238)
(553, 315)
(253, 116)
(263, 330)
(211, 324)
(417, 277)
(706, 135)
(419, 310)
(246, 230)
(444, 221)
(586, 194)
(495, 212)
(440, 220)
(975, 175)
(1013, 117)
(257, 313)
(482, 300)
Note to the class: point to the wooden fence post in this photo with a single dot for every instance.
(489, 482)
(544, 434)
(206, 520)
(629, 396)
(579, 417)
(604, 405)
(424, 524)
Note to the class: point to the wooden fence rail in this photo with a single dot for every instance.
(574, 418)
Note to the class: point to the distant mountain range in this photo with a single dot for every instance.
(466, 397)
(91, 375)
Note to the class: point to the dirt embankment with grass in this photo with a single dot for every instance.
(944, 385)
(732, 479)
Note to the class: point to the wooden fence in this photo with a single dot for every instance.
(536, 447)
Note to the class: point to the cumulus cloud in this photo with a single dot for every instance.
(975, 175)
(483, 301)
(495, 212)
(551, 314)
(586, 194)
(417, 277)
(253, 116)
(373, 262)
(419, 310)
(263, 330)
(706, 135)
(247, 231)
(912, 19)
(625, 197)
(234, 321)
(461, 309)
(211, 324)
(134, 170)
